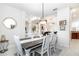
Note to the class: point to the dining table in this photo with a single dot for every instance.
(31, 42)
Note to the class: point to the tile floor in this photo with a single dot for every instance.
(73, 50)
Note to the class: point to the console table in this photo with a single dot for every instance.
(3, 46)
(75, 34)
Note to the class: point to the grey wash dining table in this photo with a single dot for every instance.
(30, 43)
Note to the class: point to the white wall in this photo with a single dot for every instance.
(64, 37)
(75, 25)
(19, 16)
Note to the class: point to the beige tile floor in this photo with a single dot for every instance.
(73, 50)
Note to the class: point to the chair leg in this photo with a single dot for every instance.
(41, 53)
(17, 54)
(54, 49)
(27, 52)
(33, 53)
(48, 53)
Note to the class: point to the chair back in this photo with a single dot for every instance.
(18, 45)
(45, 45)
(54, 39)
(53, 43)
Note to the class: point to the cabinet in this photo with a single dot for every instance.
(75, 35)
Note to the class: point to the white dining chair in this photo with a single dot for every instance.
(1, 48)
(53, 43)
(19, 49)
(45, 47)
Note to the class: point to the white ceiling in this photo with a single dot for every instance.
(75, 13)
(35, 9)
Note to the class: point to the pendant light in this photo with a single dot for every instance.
(42, 11)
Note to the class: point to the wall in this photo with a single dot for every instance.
(19, 16)
(75, 25)
(51, 23)
(64, 37)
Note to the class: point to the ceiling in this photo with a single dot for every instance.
(75, 13)
(35, 9)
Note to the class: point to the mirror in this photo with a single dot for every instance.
(9, 22)
(35, 28)
(26, 26)
(43, 26)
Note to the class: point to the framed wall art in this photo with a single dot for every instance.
(62, 24)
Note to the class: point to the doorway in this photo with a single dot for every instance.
(74, 25)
